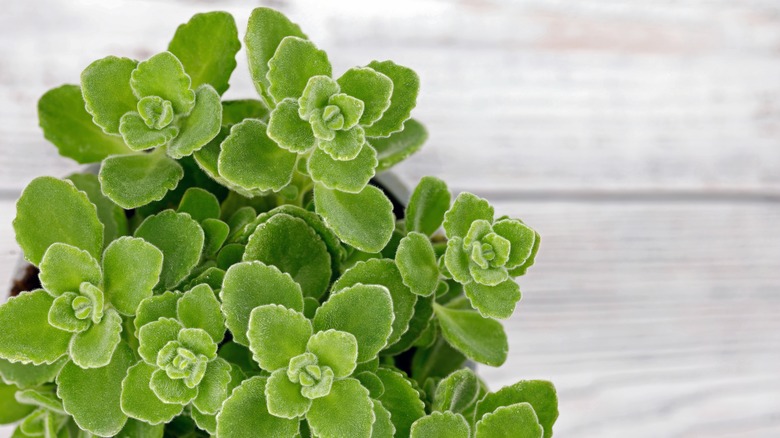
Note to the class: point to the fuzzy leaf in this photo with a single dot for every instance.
(385, 273)
(251, 284)
(245, 414)
(74, 221)
(466, 209)
(287, 128)
(213, 389)
(371, 87)
(204, 422)
(216, 233)
(417, 264)
(292, 246)
(383, 425)
(133, 181)
(441, 425)
(345, 145)
(68, 125)
(400, 145)
(294, 62)
(156, 307)
(199, 308)
(92, 396)
(207, 46)
(271, 350)
(517, 420)
(111, 215)
(94, 347)
(25, 332)
(171, 390)
(155, 335)
(346, 412)
(105, 85)
(198, 341)
(139, 401)
(163, 75)
(497, 301)
(521, 237)
(423, 311)
(540, 394)
(457, 392)
(363, 220)
(180, 238)
(335, 349)
(344, 175)
(427, 205)
(200, 126)
(11, 410)
(371, 382)
(139, 429)
(29, 375)
(406, 85)
(401, 399)
(200, 204)
(284, 397)
(246, 154)
(65, 267)
(479, 338)
(366, 311)
(521, 270)
(131, 269)
(138, 136)
(234, 111)
(265, 30)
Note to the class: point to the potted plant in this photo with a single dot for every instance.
(231, 270)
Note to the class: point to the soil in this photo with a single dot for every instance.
(29, 281)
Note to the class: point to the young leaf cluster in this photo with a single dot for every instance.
(231, 271)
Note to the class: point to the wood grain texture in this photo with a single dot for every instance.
(641, 139)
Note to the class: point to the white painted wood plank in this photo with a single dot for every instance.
(518, 96)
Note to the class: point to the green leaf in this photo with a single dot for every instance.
(74, 221)
(156, 307)
(406, 85)
(171, 390)
(371, 87)
(62, 315)
(346, 412)
(385, 273)
(427, 205)
(421, 317)
(138, 136)
(204, 422)
(294, 62)
(207, 46)
(153, 336)
(284, 397)
(180, 238)
(139, 401)
(216, 233)
(497, 301)
(265, 30)
(417, 264)
(199, 308)
(65, 267)
(105, 85)
(456, 392)
(335, 349)
(540, 394)
(10, 410)
(289, 243)
(521, 270)
(271, 350)
(92, 396)
(479, 338)
(245, 414)
(345, 145)
(133, 181)
(466, 209)
(200, 126)
(200, 204)
(344, 175)
(363, 220)
(213, 389)
(251, 284)
(131, 269)
(400, 145)
(287, 128)
(441, 425)
(246, 154)
(521, 237)
(371, 382)
(163, 75)
(198, 341)
(383, 426)
(68, 125)
(366, 311)
(140, 429)
(234, 111)
(29, 375)
(25, 333)
(94, 347)
(517, 420)
(111, 215)
(401, 399)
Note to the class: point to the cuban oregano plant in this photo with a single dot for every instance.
(232, 271)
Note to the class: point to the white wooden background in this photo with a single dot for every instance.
(642, 139)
